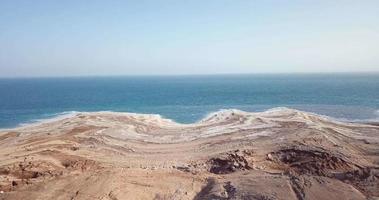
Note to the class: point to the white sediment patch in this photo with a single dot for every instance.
(37, 122)
(229, 120)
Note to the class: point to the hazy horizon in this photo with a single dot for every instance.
(352, 73)
(134, 38)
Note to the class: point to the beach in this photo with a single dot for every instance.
(280, 153)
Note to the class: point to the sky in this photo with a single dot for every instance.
(169, 37)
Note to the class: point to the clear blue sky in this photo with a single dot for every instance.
(73, 37)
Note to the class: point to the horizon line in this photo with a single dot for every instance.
(192, 74)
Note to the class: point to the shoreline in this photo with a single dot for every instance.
(68, 114)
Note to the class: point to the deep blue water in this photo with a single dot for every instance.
(189, 98)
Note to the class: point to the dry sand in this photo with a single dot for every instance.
(277, 154)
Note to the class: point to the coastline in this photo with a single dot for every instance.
(67, 114)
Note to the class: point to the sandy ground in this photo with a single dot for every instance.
(277, 154)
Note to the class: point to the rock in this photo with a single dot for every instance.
(270, 157)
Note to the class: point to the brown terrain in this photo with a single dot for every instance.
(231, 154)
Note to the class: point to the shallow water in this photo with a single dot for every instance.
(186, 99)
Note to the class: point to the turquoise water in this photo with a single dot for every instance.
(187, 99)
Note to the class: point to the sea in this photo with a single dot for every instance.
(189, 98)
